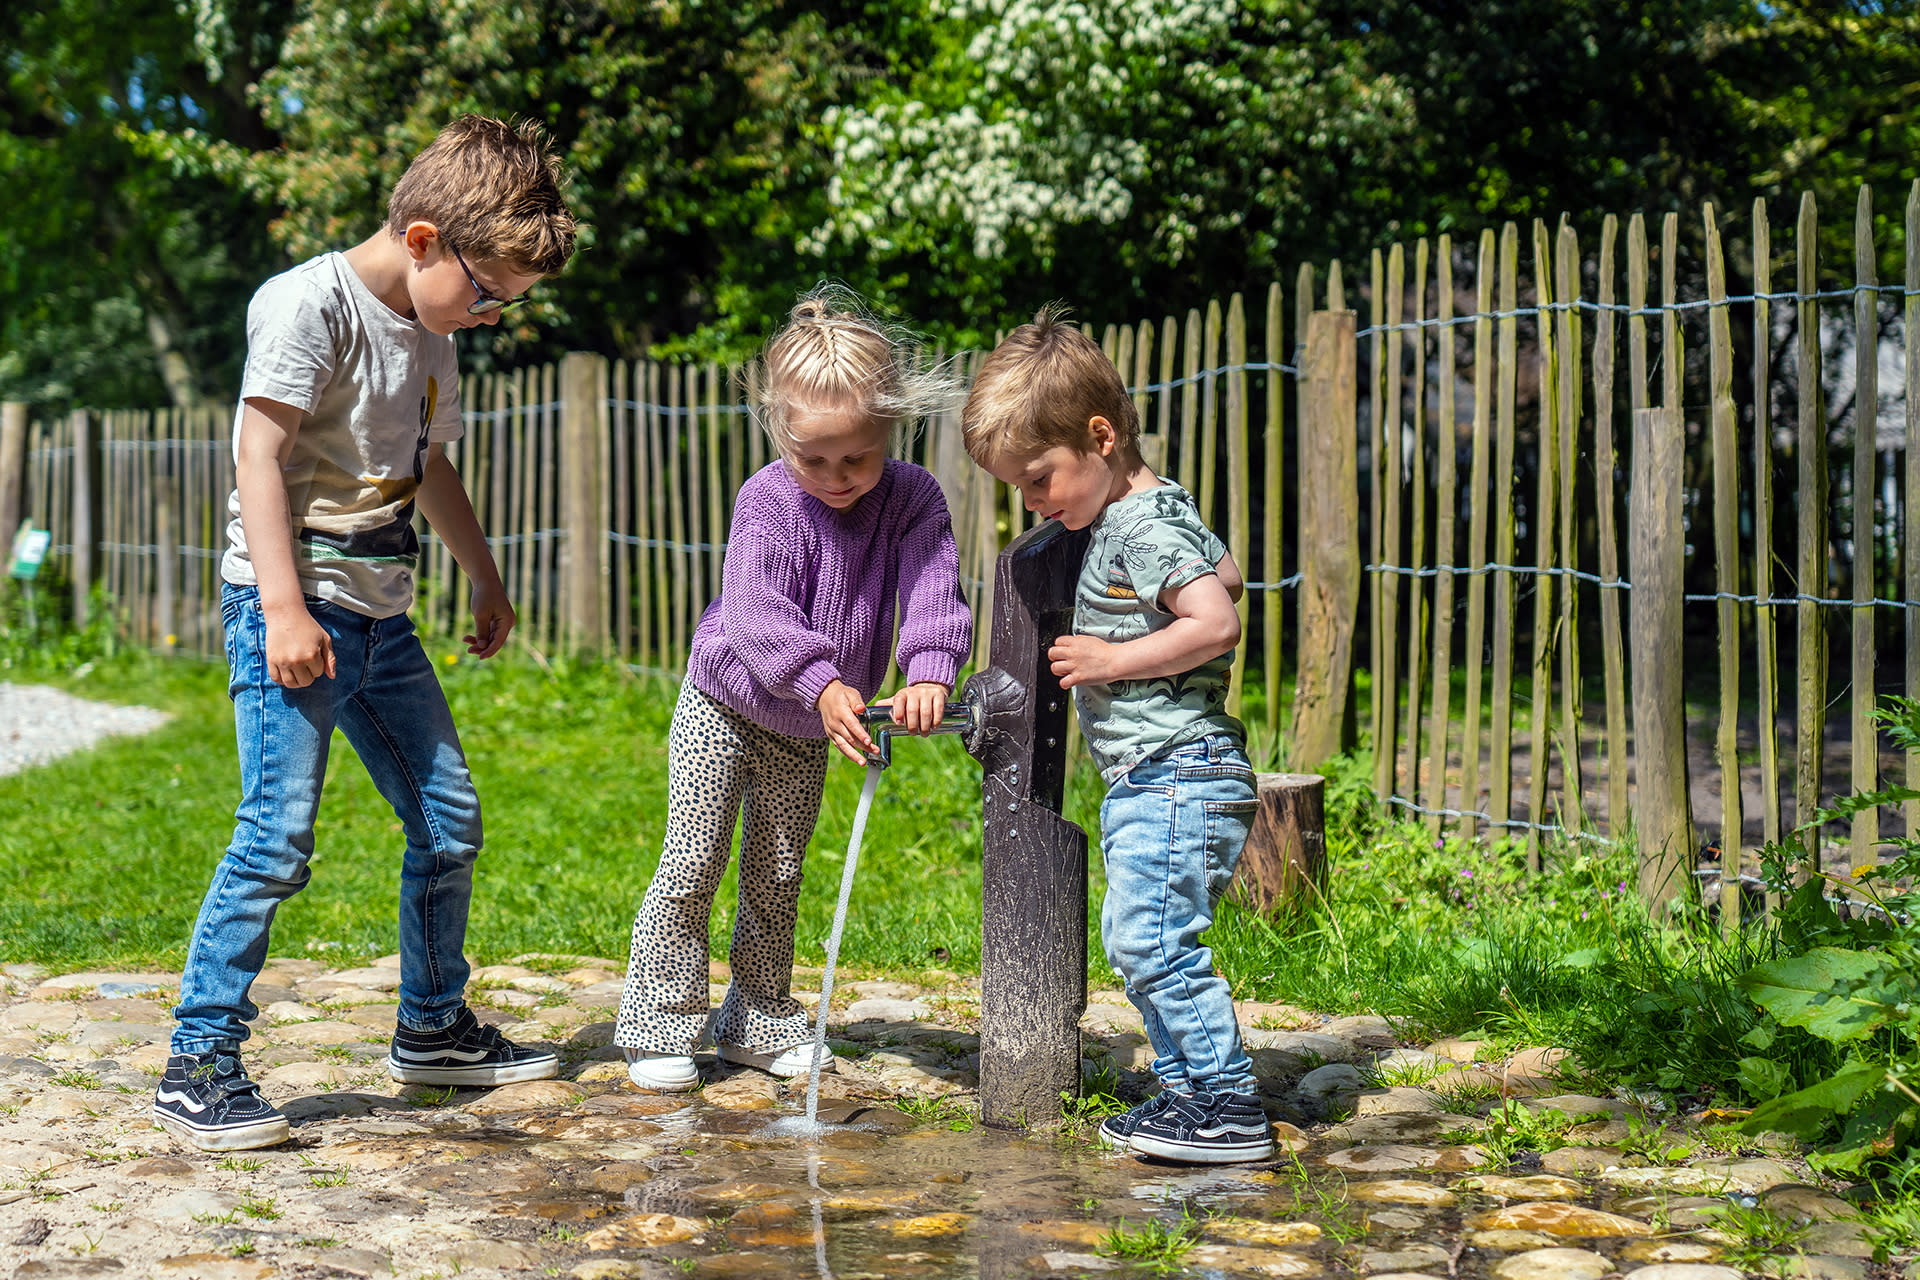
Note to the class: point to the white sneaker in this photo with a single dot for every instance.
(663, 1072)
(796, 1060)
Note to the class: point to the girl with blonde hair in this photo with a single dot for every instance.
(824, 539)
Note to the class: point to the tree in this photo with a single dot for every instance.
(1111, 151)
(122, 268)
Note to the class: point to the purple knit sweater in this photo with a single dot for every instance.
(807, 597)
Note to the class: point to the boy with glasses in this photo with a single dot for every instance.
(350, 393)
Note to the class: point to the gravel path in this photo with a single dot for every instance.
(38, 724)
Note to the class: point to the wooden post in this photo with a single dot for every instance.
(1866, 421)
(1500, 767)
(1239, 485)
(1911, 526)
(1605, 461)
(1286, 849)
(1477, 526)
(1210, 417)
(1376, 497)
(1189, 459)
(1329, 516)
(1445, 536)
(1033, 909)
(1386, 680)
(1541, 520)
(166, 552)
(1726, 542)
(1567, 361)
(13, 474)
(1271, 570)
(1416, 466)
(1767, 663)
(1810, 507)
(1656, 563)
(583, 429)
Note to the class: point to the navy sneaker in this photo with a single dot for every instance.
(207, 1101)
(467, 1055)
(1114, 1131)
(1206, 1128)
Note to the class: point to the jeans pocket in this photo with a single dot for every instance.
(1228, 822)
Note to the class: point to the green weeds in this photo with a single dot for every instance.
(1156, 1245)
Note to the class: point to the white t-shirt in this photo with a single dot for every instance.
(377, 388)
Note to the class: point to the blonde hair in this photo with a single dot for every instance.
(1039, 389)
(834, 353)
(493, 190)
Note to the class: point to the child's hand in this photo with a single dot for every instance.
(840, 706)
(493, 619)
(298, 648)
(918, 707)
(1084, 660)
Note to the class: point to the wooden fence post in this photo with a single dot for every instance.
(583, 428)
(1657, 559)
(82, 572)
(1330, 521)
(13, 473)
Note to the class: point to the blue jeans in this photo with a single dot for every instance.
(1171, 831)
(385, 698)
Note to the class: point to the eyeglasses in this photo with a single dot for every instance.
(484, 303)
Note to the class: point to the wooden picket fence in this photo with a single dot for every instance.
(1502, 451)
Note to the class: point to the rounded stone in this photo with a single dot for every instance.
(1259, 1262)
(1275, 1234)
(1511, 1241)
(1400, 1100)
(1687, 1271)
(1560, 1219)
(642, 1230)
(1668, 1251)
(319, 1033)
(1333, 1078)
(528, 1095)
(1537, 1187)
(1804, 1204)
(211, 1266)
(1552, 1264)
(1409, 1257)
(928, 1224)
(1384, 1159)
(1402, 1191)
(322, 1076)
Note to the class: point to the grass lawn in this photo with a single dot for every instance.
(104, 857)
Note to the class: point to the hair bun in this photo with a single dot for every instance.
(811, 309)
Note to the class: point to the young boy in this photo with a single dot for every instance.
(1154, 628)
(349, 395)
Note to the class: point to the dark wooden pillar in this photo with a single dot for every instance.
(1033, 919)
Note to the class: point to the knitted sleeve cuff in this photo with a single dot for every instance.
(813, 679)
(933, 667)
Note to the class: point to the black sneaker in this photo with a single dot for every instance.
(1115, 1130)
(206, 1101)
(466, 1054)
(1206, 1128)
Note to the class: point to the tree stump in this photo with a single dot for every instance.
(1286, 852)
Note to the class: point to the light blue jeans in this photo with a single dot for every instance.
(387, 701)
(1171, 831)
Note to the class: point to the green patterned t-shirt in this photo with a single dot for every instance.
(1144, 545)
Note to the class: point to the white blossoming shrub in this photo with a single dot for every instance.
(1153, 123)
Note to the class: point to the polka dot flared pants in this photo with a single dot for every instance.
(721, 765)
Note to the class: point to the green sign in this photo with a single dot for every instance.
(29, 549)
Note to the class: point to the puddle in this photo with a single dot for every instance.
(873, 1192)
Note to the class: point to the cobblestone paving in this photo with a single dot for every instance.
(1386, 1171)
